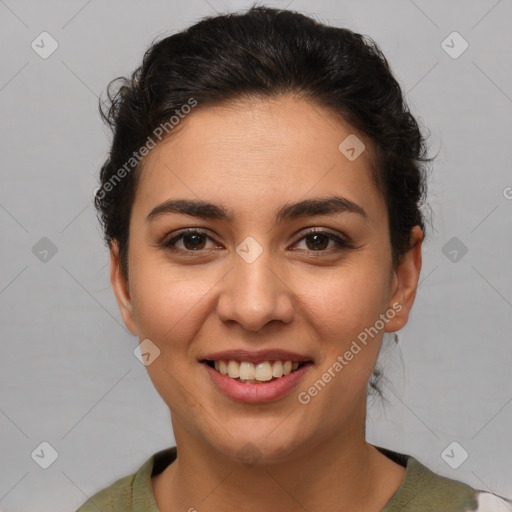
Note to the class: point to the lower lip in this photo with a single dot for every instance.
(253, 393)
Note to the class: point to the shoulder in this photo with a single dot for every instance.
(424, 490)
(431, 491)
(132, 492)
(114, 498)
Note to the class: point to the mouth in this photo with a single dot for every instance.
(249, 372)
(256, 376)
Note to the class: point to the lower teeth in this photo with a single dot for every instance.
(254, 381)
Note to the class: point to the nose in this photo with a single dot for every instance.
(254, 294)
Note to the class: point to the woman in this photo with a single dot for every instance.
(261, 204)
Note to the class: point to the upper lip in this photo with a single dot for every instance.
(257, 356)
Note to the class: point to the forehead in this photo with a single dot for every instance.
(256, 152)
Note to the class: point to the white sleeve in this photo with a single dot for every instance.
(489, 502)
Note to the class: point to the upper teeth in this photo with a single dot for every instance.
(264, 371)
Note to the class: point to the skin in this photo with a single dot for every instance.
(252, 158)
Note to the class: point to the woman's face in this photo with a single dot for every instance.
(252, 287)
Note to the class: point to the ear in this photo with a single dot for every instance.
(121, 289)
(405, 282)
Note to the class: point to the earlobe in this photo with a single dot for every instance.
(406, 277)
(121, 289)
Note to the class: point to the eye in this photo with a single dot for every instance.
(318, 241)
(193, 240)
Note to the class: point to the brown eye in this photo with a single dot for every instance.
(318, 241)
(192, 240)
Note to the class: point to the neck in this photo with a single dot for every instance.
(339, 473)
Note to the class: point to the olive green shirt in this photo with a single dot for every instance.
(421, 490)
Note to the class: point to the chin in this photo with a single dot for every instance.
(256, 446)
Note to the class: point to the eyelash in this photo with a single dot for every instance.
(342, 244)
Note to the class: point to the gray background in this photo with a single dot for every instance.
(68, 374)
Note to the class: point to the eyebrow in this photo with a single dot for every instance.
(310, 207)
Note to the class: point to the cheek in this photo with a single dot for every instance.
(167, 305)
(343, 308)
(346, 300)
(170, 312)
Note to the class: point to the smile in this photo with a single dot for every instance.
(250, 373)
(258, 381)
